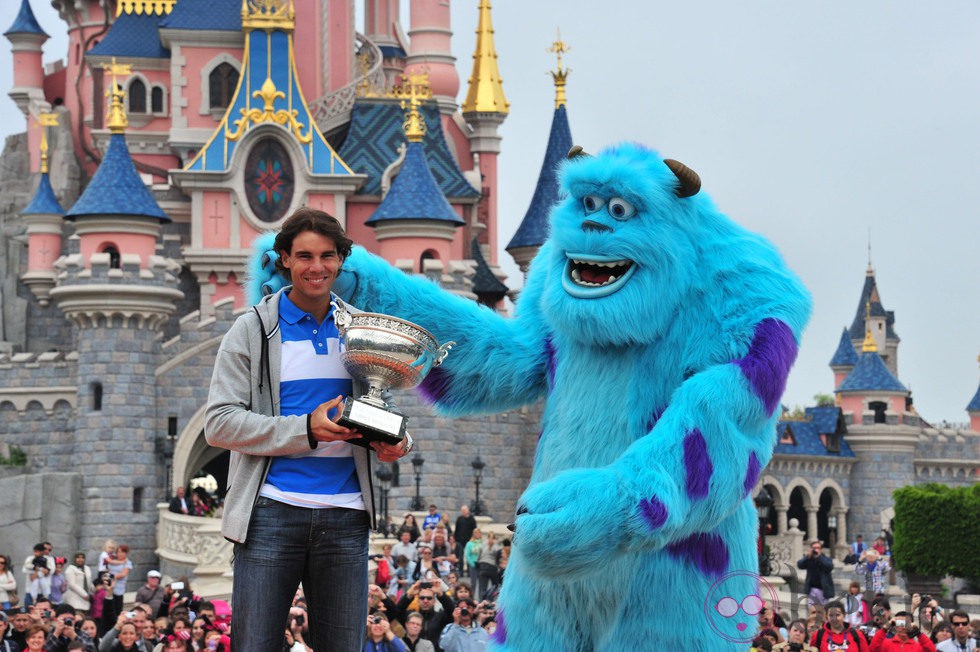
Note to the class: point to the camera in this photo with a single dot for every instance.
(376, 619)
(425, 585)
(926, 599)
(177, 586)
(68, 620)
(131, 614)
(300, 619)
(899, 623)
(796, 646)
(464, 611)
(46, 613)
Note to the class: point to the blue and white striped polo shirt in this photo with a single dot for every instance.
(311, 374)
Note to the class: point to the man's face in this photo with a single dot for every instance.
(816, 548)
(47, 548)
(139, 619)
(835, 617)
(961, 627)
(432, 510)
(153, 582)
(149, 630)
(207, 613)
(313, 264)
(414, 627)
(406, 537)
(21, 622)
(464, 510)
(465, 610)
(426, 600)
(180, 492)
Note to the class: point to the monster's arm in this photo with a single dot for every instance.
(496, 363)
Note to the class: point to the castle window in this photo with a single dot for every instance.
(114, 259)
(269, 180)
(221, 84)
(428, 254)
(137, 96)
(96, 390)
(137, 500)
(879, 408)
(156, 99)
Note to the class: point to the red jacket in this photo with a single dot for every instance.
(880, 643)
(851, 640)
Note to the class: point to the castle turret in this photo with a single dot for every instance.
(430, 50)
(27, 37)
(879, 321)
(973, 409)
(118, 293)
(43, 218)
(414, 220)
(871, 393)
(533, 231)
(845, 357)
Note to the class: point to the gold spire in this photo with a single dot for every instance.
(45, 120)
(268, 14)
(486, 91)
(116, 119)
(145, 7)
(869, 341)
(560, 75)
(413, 90)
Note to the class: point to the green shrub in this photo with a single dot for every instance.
(937, 530)
(17, 457)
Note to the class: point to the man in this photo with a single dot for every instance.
(959, 620)
(37, 572)
(19, 624)
(179, 503)
(62, 630)
(151, 593)
(858, 546)
(905, 637)
(818, 585)
(465, 633)
(299, 504)
(836, 634)
(463, 530)
(432, 518)
(796, 639)
(6, 644)
(413, 634)
(78, 584)
(435, 608)
(405, 547)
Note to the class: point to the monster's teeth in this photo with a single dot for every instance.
(611, 279)
(576, 276)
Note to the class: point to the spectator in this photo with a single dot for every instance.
(435, 607)
(855, 608)
(380, 638)
(818, 585)
(901, 636)
(400, 577)
(127, 640)
(880, 546)
(796, 639)
(176, 643)
(426, 569)
(462, 590)
(108, 553)
(120, 566)
(78, 584)
(19, 624)
(442, 554)
(6, 645)
(8, 584)
(928, 610)
(413, 629)
(409, 525)
(960, 641)
(873, 568)
(151, 593)
(503, 557)
(89, 631)
(37, 572)
(471, 555)
(767, 621)
(431, 519)
(102, 601)
(58, 586)
(35, 637)
(179, 503)
(465, 526)
(465, 633)
(405, 547)
(836, 634)
(63, 630)
(198, 628)
(487, 565)
(941, 633)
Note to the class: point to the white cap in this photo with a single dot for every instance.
(154, 573)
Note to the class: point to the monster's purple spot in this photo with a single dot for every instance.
(697, 464)
(549, 349)
(435, 386)
(752, 474)
(654, 512)
(766, 365)
(654, 418)
(500, 634)
(705, 550)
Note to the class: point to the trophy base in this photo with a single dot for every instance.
(373, 423)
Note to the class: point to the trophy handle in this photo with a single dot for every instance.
(341, 317)
(442, 353)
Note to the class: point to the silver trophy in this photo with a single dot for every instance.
(384, 353)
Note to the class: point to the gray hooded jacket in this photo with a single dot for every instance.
(244, 394)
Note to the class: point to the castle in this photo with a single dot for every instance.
(175, 131)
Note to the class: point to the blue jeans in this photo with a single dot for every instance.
(326, 550)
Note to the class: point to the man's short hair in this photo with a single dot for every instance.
(467, 601)
(310, 219)
(38, 547)
(834, 604)
(902, 613)
(960, 613)
(413, 614)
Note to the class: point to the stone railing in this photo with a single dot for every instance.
(786, 549)
(192, 546)
(333, 109)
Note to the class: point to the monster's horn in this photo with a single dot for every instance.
(575, 152)
(690, 181)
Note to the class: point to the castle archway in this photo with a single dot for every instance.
(194, 457)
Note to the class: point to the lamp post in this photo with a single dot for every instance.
(763, 501)
(832, 531)
(417, 462)
(384, 478)
(478, 466)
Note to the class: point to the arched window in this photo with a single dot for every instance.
(156, 99)
(96, 389)
(879, 408)
(428, 254)
(113, 251)
(137, 96)
(221, 84)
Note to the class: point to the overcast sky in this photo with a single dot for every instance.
(812, 123)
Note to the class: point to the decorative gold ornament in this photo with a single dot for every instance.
(413, 90)
(268, 14)
(269, 94)
(486, 90)
(560, 75)
(45, 120)
(116, 119)
(869, 341)
(145, 7)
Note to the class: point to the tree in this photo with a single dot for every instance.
(937, 530)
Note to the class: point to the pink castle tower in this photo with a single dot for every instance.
(430, 51)
(973, 409)
(26, 38)
(43, 217)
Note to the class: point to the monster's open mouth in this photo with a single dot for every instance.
(589, 276)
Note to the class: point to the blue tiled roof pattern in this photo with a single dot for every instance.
(205, 14)
(825, 419)
(845, 356)
(974, 405)
(485, 282)
(375, 135)
(414, 194)
(44, 201)
(25, 22)
(808, 441)
(392, 52)
(533, 230)
(133, 35)
(870, 373)
(116, 188)
(877, 310)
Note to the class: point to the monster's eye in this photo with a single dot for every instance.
(621, 209)
(727, 607)
(592, 203)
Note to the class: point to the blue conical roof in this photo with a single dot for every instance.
(974, 405)
(870, 374)
(485, 282)
(116, 188)
(414, 194)
(25, 23)
(44, 202)
(533, 230)
(845, 356)
(869, 294)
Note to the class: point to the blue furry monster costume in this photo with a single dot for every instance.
(660, 335)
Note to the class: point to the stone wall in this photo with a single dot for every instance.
(38, 507)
